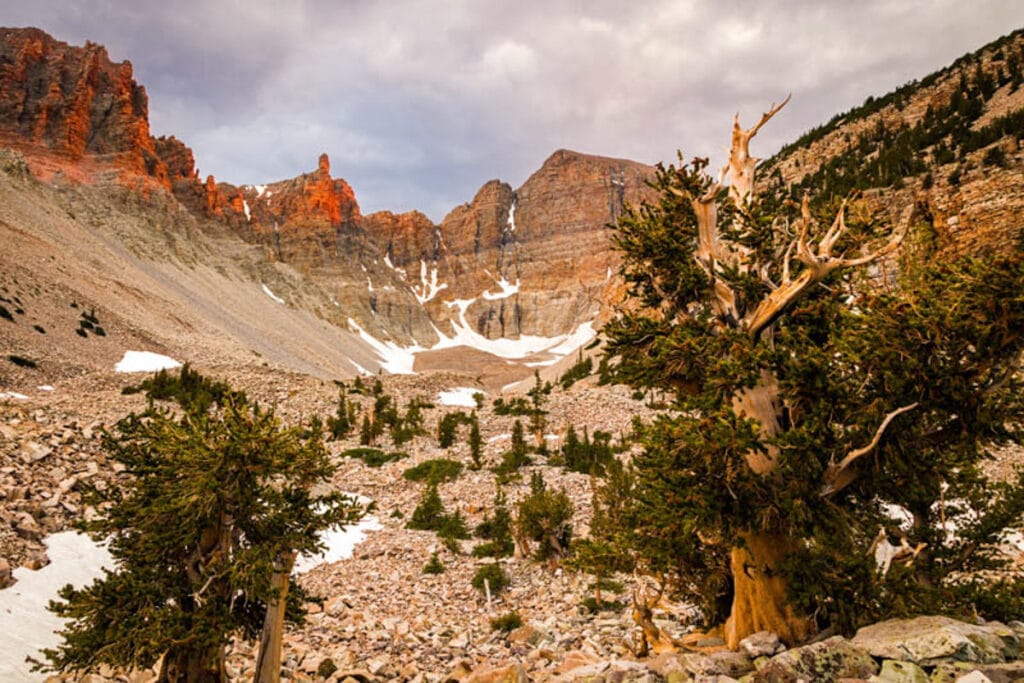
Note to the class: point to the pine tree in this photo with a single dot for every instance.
(476, 443)
(606, 550)
(545, 517)
(804, 400)
(434, 565)
(366, 433)
(429, 514)
(216, 504)
(538, 421)
(496, 529)
(341, 423)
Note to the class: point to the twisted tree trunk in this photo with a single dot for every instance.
(759, 600)
(193, 666)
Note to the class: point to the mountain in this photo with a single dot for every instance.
(510, 273)
(947, 146)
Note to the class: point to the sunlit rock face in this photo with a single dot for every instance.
(63, 105)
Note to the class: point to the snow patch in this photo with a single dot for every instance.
(459, 396)
(245, 207)
(395, 359)
(525, 345)
(340, 544)
(899, 513)
(507, 290)
(512, 217)
(45, 387)
(359, 368)
(74, 559)
(499, 437)
(145, 361)
(427, 289)
(260, 190)
(13, 394)
(580, 336)
(266, 290)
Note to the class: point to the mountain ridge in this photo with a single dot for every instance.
(399, 280)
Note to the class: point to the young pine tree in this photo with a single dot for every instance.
(476, 444)
(606, 550)
(802, 411)
(545, 517)
(204, 531)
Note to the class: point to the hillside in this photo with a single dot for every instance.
(947, 145)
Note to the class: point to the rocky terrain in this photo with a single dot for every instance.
(113, 241)
(384, 619)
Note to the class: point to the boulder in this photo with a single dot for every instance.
(761, 644)
(952, 672)
(510, 673)
(894, 671)
(825, 661)
(933, 639)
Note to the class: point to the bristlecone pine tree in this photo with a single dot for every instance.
(810, 406)
(204, 531)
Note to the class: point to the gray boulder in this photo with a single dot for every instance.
(828, 660)
(934, 639)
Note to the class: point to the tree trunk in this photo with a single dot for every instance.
(760, 602)
(190, 666)
(268, 664)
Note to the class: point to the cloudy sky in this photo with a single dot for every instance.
(420, 103)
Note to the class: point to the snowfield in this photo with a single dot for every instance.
(145, 361)
(266, 290)
(459, 396)
(340, 544)
(74, 559)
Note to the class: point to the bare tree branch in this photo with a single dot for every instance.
(837, 476)
(741, 164)
(818, 263)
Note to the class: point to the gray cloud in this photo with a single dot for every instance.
(418, 103)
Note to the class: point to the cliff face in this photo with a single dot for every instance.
(530, 261)
(535, 261)
(62, 104)
(947, 146)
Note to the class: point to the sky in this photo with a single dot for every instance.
(420, 103)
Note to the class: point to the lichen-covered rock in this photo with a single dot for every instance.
(933, 639)
(828, 660)
(954, 672)
(894, 671)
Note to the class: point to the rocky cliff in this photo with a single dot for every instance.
(534, 261)
(947, 145)
(530, 261)
(65, 107)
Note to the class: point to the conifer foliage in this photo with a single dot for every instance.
(808, 404)
(217, 503)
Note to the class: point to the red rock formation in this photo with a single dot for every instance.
(302, 218)
(177, 157)
(406, 238)
(68, 103)
(553, 243)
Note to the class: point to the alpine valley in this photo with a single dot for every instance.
(111, 241)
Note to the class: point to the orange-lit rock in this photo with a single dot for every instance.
(60, 104)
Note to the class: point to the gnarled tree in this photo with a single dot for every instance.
(809, 403)
(204, 529)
